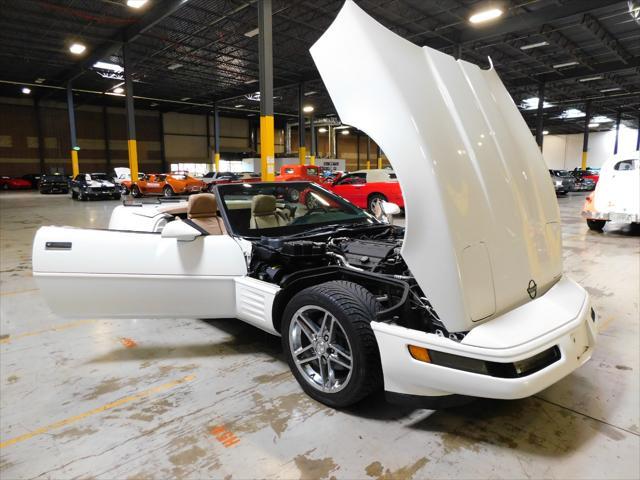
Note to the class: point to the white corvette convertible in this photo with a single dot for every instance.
(468, 300)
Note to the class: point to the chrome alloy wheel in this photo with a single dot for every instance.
(320, 349)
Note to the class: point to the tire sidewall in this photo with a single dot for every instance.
(168, 191)
(359, 361)
(372, 198)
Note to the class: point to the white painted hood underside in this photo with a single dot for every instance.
(482, 220)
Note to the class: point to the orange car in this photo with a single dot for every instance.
(295, 173)
(168, 184)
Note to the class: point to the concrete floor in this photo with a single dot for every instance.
(195, 399)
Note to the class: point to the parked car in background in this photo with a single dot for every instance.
(212, 177)
(365, 188)
(123, 178)
(590, 174)
(563, 181)
(293, 173)
(33, 178)
(167, 184)
(55, 183)
(237, 177)
(617, 194)
(94, 185)
(11, 183)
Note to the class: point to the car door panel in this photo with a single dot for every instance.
(106, 274)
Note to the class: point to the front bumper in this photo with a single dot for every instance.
(560, 318)
(623, 217)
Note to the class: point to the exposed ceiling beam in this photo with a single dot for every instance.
(159, 12)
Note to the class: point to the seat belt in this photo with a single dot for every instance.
(193, 224)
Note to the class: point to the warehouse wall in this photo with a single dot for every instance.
(564, 152)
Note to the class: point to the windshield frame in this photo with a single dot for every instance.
(298, 231)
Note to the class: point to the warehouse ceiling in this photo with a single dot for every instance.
(188, 54)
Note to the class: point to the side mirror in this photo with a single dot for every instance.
(180, 231)
(390, 208)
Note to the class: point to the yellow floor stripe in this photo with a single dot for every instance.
(103, 408)
(55, 328)
(18, 292)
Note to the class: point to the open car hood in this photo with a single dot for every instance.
(482, 221)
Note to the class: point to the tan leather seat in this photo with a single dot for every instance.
(202, 210)
(264, 213)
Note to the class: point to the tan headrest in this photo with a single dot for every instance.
(263, 205)
(202, 205)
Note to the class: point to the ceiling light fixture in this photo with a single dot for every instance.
(322, 130)
(312, 92)
(77, 48)
(248, 82)
(594, 125)
(613, 89)
(184, 99)
(601, 119)
(118, 90)
(26, 90)
(174, 66)
(533, 45)
(108, 66)
(591, 79)
(239, 106)
(572, 113)
(532, 103)
(252, 33)
(136, 3)
(307, 109)
(341, 127)
(345, 132)
(485, 15)
(40, 80)
(154, 104)
(565, 64)
(545, 132)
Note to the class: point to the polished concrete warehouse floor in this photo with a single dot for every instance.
(194, 399)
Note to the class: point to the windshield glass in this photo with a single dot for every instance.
(100, 176)
(285, 208)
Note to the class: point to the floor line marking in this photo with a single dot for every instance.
(103, 408)
(18, 292)
(55, 328)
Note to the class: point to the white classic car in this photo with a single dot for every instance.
(617, 194)
(468, 300)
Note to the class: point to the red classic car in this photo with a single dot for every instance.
(589, 173)
(366, 187)
(295, 173)
(8, 183)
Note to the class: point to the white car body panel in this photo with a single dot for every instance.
(471, 173)
(158, 277)
(617, 194)
(141, 218)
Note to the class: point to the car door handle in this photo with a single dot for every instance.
(57, 246)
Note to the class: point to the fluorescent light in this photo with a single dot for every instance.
(533, 45)
(601, 119)
(345, 132)
(613, 89)
(184, 99)
(307, 109)
(572, 113)
(136, 3)
(341, 127)
(77, 48)
(248, 82)
(312, 92)
(40, 80)
(154, 104)
(322, 130)
(118, 90)
(252, 33)
(545, 132)
(594, 125)
(108, 66)
(565, 64)
(174, 66)
(532, 103)
(239, 106)
(591, 79)
(26, 90)
(485, 15)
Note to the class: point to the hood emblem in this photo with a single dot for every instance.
(532, 289)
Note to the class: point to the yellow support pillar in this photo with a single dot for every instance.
(133, 159)
(312, 160)
(302, 155)
(267, 148)
(216, 161)
(75, 166)
(584, 160)
(379, 162)
(368, 164)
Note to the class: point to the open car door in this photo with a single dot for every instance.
(111, 273)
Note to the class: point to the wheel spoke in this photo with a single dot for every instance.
(301, 350)
(331, 374)
(335, 359)
(321, 371)
(333, 322)
(338, 349)
(307, 360)
(324, 322)
(310, 326)
(304, 326)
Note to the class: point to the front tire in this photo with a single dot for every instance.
(81, 196)
(596, 225)
(329, 344)
(135, 191)
(168, 191)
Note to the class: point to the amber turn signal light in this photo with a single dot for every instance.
(420, 353)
